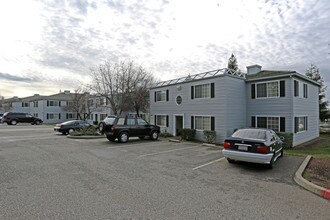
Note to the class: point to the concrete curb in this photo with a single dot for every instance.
(300, 180)
(174, 140)
(85, 137)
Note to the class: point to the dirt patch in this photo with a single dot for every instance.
(318, 172)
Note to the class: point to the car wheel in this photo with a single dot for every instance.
(271, 163)
(71, 130)
(110, 138)
(230, 160)
(123, 137)
(37, 123)
(13, 122)
(154, 135)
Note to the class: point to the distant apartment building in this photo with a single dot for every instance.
(56, 108)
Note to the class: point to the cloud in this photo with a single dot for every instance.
(9, 77)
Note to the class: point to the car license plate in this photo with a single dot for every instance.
(243, 148)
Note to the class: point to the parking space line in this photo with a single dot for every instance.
(209, 163)
(167, 151)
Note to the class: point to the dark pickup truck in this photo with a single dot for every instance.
(122, 128)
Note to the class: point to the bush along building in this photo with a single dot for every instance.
(60, 107)
(224, 100)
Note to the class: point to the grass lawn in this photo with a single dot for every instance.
(318, 149)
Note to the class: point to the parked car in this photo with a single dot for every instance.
(1, 118)
(12, 118)
(256, 145)
(70, 126)
(130, 126)
(109, 120)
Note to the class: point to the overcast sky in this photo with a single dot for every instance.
(48, 46)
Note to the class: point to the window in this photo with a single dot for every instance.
(53, 103)
(300, 89)
(25, 104)
(90, 103)
(103, 116)
(102, 102)
(272, 89)
(178, 100)
(202, 91)
(305, 91)
(71, 116)
(35, 104)
(300, 124)
(140, 121)
(272, 122)
(69, 103)
(53, 116)
(202, 122)
(161, 96)
(130, 121)
(161, 120)
(35, 115)
(266, 90)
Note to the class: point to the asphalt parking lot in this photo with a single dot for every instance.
(45, 175)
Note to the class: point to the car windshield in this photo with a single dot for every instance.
(250, 134)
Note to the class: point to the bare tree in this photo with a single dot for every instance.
(5, 105)
(79, 104)
(125, 85)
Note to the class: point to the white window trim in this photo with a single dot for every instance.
(199, 130)
(269, 116)
(266, 82)
(294, 123)
(202, 85)
(165, 95)
(162, 126)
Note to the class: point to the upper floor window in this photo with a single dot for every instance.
(300, 89)
(25, 104)
(202, 91)
(53, 103)
(35, 104)
(271, 89)
(162, 95)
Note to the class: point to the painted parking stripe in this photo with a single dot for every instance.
(167, 151)
(209, 163)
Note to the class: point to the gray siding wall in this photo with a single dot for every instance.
(228, 105)
(307, 107)
(280, 106)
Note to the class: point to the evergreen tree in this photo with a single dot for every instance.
(313, 73)
(232, 63)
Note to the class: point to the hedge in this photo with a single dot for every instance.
(288, 138)
(188, 134)
(209, 136)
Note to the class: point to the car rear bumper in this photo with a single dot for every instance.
(247, 157)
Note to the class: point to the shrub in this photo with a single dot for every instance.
(165, 134)
(209, 136)
(288, 139)
(91, 131)
(188, 134)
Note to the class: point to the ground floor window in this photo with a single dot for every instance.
(202, 123)
(71, 116)
(161, 120)
(53, 115)
(300, 124)
(35, 115)
(271, 122)
(103, 116)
